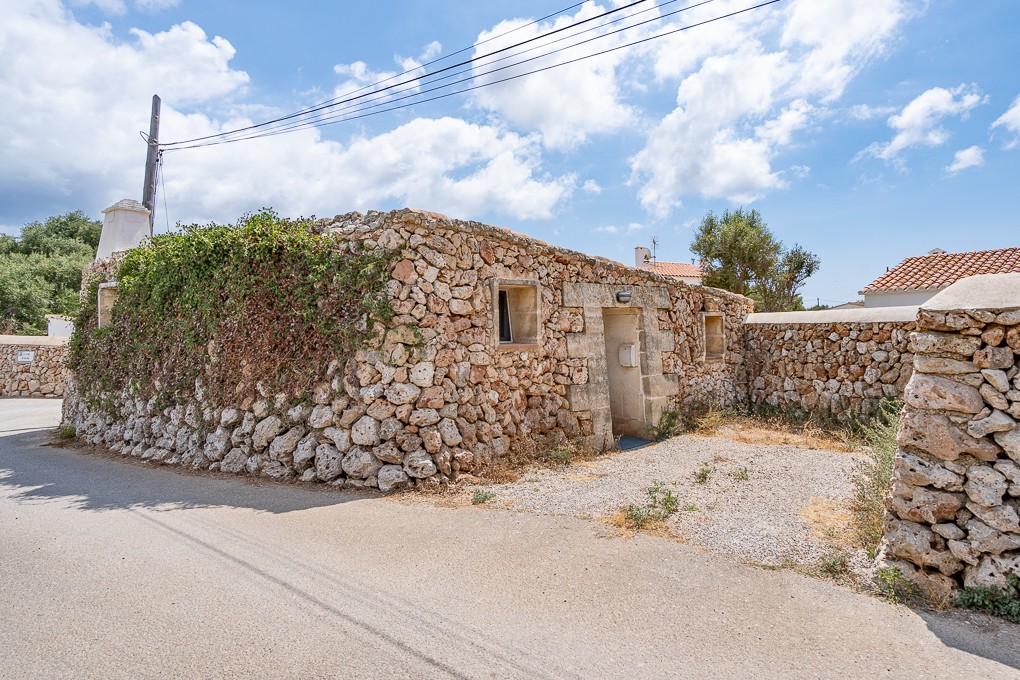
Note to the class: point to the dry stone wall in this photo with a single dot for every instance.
(840, 362)
(952, 516)
(437, 395)
(32, 366)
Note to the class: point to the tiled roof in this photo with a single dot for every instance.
(675, 269)
(939, 270)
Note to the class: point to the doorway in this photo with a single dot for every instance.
(623, 371)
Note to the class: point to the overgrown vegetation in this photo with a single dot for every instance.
(482, 496)
(873, 474)
(1002, 602)
(893, 586)
(702, 474)
(40, 271)
(222, 309)
(66, 433)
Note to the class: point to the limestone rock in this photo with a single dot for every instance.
(402, 393)
(996, 422)
(418, 464)
(234, 461)
(360, 464)
(996, 378)
(392, 478)
(365, 432)
(424, 416)
(321, 417)
(934, 434)
(985, 486)
(918, 504)
(1001, 517)
(987, 540)
(928, 364)
(328, 462)
(994, 357)
(930, 342)
(276, 469)
(992, 571)
(217, 444)
(916, 543)
(448, 431)
(1010, 442)
(949, 531)
(284, 445)
(937, 393)
(266, 431)
(341, 438)
(304, 454)
(914, 470)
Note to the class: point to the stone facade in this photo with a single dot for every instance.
(841, 362)
(440, 394)
(952, 516)
(32, 366)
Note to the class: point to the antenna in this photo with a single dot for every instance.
(655, 244)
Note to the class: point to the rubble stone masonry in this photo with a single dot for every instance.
(953, 515)
(32, 366)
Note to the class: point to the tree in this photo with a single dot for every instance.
(40, 272)
(739, 253)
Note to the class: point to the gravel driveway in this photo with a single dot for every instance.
(773, 505)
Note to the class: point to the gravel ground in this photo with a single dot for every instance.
(790, 508)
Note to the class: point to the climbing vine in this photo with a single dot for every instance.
(265, 302)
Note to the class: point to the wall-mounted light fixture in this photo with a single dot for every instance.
(623, 296)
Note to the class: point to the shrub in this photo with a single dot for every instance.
(482, 496)
(266, 301)
(872, 476)
(1002, 602)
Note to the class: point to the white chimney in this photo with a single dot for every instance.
(642, 256)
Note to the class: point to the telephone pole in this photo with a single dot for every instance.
(151, 156)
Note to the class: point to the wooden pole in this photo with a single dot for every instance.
(149, 190)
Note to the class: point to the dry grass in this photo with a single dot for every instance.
(626, 526)
(749, 429)
(830, 520)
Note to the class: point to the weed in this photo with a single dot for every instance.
(835, 565)
(740, 474)
(703, 473)
(564, 454)
(690, 507)
(872, 476)
(894, 586)
(712, 419)
(66, 433)
(670, 424)
(1002, 602)
(482, 496)
(661, 504)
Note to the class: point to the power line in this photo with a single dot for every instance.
(337, 100)
(345, 112)
(324, 120)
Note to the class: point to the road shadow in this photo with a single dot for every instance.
(977, 634)
(34, 470)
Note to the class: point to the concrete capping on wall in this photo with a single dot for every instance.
(860, 315)
(982, 292)
(34, 340)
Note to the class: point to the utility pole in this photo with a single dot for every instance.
(151, 156)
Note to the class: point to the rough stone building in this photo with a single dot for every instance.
(525, 345)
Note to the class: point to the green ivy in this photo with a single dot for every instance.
(1003, 602)
(267, 301)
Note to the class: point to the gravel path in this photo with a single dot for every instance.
(764, 504)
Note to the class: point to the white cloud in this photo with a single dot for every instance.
(741, 103)
(592, 187)
(119, 7)
(626, 229)
(567, 105)
(1010, 121)
(918, 124)
(362, 79)
(73, 98)
(865, 112)
(971, 157)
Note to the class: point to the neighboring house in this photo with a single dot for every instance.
(856, 304)
(916, 279)
(688, 273)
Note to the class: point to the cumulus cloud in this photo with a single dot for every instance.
(566, 105)
(362, 79)
(592, 187)
(745, 94)
(73, 98)
(625, 229)
(971, 157)
(1010, 121)
(118, 7)
(919, 123)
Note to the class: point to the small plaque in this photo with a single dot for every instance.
(26, 356)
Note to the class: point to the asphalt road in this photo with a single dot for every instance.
(110, 569)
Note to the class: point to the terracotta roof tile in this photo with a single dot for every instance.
(939, 270)
(675, 269)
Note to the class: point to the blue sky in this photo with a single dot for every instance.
(866, 131)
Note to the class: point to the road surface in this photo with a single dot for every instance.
(112, 569)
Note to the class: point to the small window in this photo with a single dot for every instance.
(715, 339)
(107, 296)
(517, 313)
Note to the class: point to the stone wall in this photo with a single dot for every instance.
(952, 515)
(426, 407)
(840, 362)
(40, 373)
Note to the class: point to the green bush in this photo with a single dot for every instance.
(266, 301)
(1002, 602)
(872, 476)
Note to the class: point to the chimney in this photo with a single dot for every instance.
(642, 256)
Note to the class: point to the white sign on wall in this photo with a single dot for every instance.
(26, 356)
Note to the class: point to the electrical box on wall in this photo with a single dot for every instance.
(628, 356)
